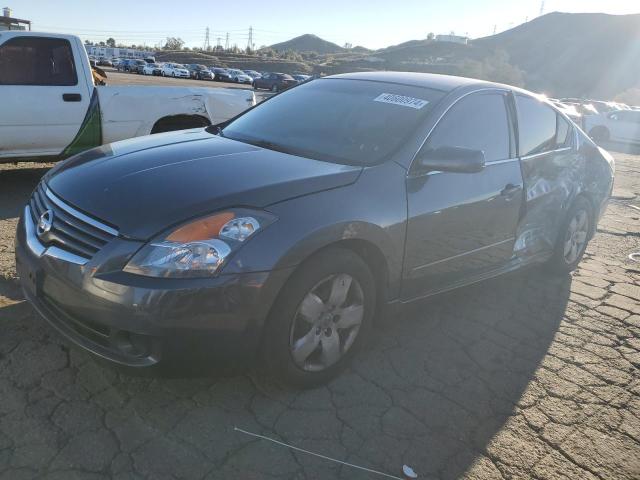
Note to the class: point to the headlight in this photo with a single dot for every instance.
(198, 248)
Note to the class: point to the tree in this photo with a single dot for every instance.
(430, 36)
(173, 43)
(111, 42)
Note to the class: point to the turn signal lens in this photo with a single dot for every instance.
(202, 229)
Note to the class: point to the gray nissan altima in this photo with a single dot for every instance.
(279, 234)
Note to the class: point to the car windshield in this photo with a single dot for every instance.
(343, 121)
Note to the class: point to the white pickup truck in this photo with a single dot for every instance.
(50, 107)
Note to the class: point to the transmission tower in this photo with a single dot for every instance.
(207, 44)
(542, 8)
(219, 45)
(226, 43)
(250, 41)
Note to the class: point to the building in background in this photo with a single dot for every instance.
(7, 22)
(452, 39)
(100, 51)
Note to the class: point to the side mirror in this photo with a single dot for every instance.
(451, 159)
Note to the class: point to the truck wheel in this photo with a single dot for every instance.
(321, 317)
(179, 122)
(600, 133)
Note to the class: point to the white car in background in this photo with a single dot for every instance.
(239, 76)
(175, 70)
(617, 126)
(152, 69)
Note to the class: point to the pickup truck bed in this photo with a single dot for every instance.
(52, 109)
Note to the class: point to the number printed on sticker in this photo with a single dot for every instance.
(401, 100)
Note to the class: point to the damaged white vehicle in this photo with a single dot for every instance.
(51, 108)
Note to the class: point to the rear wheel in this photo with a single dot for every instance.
(573, 237)
(321, 317)
(600, 133)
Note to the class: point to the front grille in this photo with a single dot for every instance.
(71, 230)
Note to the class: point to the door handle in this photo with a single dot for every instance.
(71, 97)
(509, 190)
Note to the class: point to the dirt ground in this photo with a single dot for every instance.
(525, 376)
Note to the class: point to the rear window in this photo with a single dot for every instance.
(37, 61)
(346, 121)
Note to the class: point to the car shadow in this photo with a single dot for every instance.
(433, 387)
(16, 186)
(456, 366)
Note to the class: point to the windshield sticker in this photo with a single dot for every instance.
(401, 100)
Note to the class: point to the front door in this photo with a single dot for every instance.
(462, 225)
(44, 99)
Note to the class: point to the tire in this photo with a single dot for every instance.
(573, 237)
(274, 88)
(306, 353)
(600, 133)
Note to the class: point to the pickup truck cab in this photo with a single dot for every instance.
(51, 108)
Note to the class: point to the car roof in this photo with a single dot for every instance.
(426, 80)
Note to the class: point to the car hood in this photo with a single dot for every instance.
(147, 184)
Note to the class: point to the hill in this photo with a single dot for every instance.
(308, 43)
(576, 54)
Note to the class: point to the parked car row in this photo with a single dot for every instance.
(604, 121)
(273, 81)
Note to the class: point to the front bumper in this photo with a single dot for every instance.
(147, 323)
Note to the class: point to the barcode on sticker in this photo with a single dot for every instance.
(401, 100)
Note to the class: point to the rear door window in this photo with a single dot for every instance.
(477, 122)
(537, 126)
(37, 61)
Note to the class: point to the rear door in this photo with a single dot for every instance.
(550, 163)
(43, 98)
(462, 225)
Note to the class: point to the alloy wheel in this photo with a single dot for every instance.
(327, 322)
(576, 236)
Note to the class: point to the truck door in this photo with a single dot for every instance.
(43, 96)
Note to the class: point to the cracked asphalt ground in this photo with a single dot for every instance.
(525, 376)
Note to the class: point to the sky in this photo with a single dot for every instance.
(370, 23)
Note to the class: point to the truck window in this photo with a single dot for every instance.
(37, 61)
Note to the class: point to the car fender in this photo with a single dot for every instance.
(356, 215)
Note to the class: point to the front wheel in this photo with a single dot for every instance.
(573, 237)
(321, 317)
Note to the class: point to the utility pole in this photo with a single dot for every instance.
(207, 44)
(495, 29)
(542, 8)
(250, 41)
(226, 43)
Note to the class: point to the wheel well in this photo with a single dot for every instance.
(373, 257)
(179, 122)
